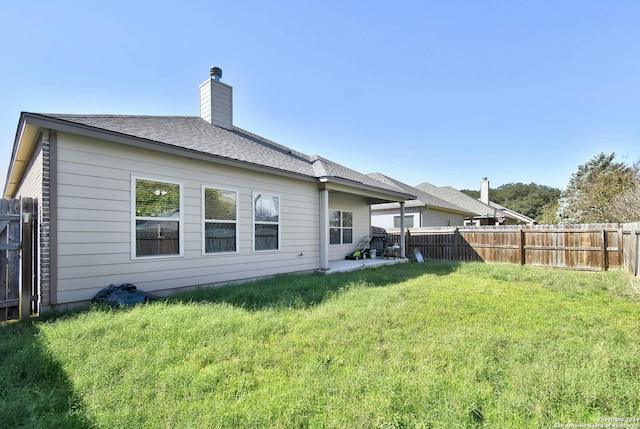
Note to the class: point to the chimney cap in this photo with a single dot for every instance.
(216, 73)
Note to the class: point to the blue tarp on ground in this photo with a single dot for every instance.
(124, 294)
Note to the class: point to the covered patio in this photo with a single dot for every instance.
(344, 265)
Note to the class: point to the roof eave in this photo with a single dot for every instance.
(23, 146)
(375, 194)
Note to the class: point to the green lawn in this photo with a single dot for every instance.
(438, 344)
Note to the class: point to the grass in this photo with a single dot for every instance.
(413, 345)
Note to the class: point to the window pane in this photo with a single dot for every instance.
(219, 205)
(334, 235)
(408, 221)
(220, 237)
(157, 238)
(157, 199)
(334, 218)
(266, 237)
(347, 219)
(267, 208)
(347, 236)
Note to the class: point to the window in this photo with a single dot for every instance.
(158, 218)
(266, 222)
(220, 214)
(340, 227)
(408, 221)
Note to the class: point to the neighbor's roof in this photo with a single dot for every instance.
(460, 199)
(479, 208)
(424, 197)
(197, 136)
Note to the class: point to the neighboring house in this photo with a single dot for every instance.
(426, 210)
(511, 216)
(485, 211)
(168, 202)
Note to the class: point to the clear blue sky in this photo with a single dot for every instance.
(440, 91)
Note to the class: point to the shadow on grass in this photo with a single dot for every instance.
(34, 390)
(305, 290)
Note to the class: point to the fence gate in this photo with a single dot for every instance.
(18, 258)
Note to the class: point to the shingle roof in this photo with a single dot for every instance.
(424, 197)
(195, 134)
(459, 198)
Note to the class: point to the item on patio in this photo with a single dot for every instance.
(392, 251)
(124, 294)
(362, 249)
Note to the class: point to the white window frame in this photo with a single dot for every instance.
(205, 221)
(254, 195)
(134, 218)
(342, 227)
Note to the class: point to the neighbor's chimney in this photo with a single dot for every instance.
(484, 190)
(216, 100)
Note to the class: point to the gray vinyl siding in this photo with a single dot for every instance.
(426, 217)
(384, 218)
(216, 103)
(435, 217)
(94, 221)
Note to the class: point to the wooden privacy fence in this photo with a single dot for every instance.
(576, 247)
(18, 258)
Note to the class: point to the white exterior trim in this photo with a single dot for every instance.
(255, 194)
(204, 219)
(180, 254)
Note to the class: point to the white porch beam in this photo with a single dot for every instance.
(402, 240)
(324, 229)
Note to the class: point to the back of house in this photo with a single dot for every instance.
(173, 202)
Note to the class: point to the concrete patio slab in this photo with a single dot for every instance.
(344, 265)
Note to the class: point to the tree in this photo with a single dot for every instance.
(593, 189)
(156, 198)
(549, 214)
(526, 199)
(626, 207)
(522, 198)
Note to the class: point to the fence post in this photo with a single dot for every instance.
(636, 252)
(605, 262)
(521, 246)
(456, 241)
(13, 260)
(407, 243)
(620, 240)
(26, 283)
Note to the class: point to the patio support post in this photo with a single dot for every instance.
(324, 229)
(402, 240)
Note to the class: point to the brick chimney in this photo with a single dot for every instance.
(216, 100)
(484, 190)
